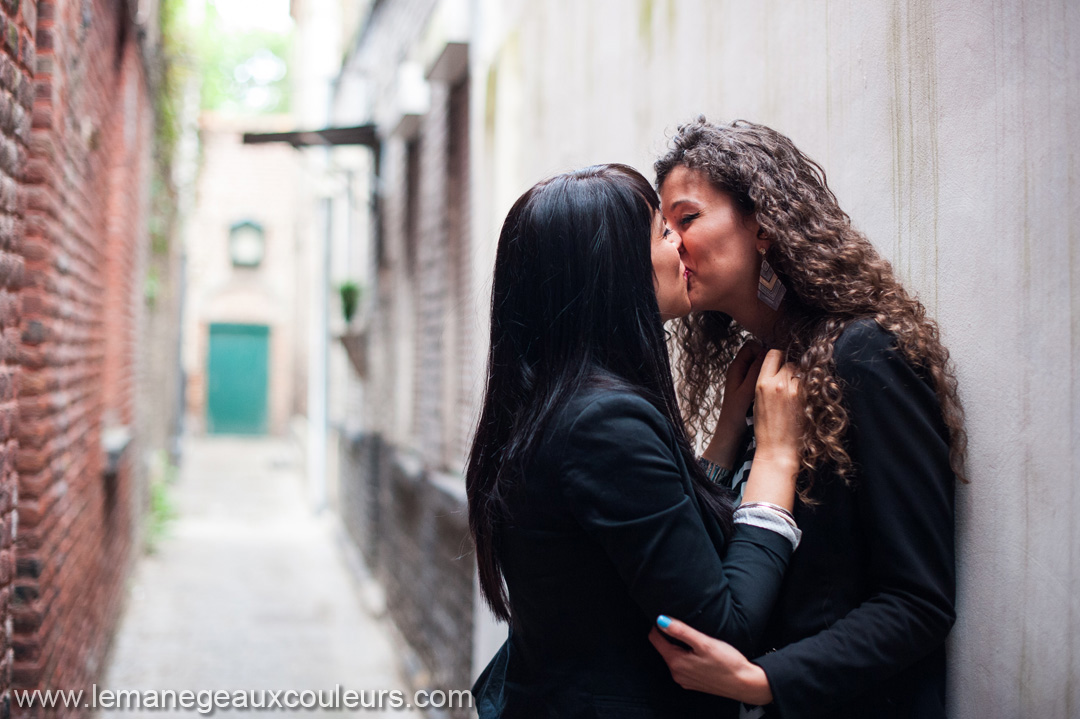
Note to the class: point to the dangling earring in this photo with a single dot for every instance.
(770, 289)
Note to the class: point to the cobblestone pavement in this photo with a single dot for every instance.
(249, 590)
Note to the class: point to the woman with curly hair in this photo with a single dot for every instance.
(859, 629)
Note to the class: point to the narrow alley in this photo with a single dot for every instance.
(250, 326)
(248, 589)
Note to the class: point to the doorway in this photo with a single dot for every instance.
(237, 379)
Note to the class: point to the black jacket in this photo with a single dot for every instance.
(607, 534)
(868, 598)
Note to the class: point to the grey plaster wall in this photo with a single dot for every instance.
(949, 132)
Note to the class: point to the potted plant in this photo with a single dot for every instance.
(355, 342)
(350, 298)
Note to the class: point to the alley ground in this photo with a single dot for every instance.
(249, 590)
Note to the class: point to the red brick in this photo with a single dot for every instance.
(69, 256)
(68, 322)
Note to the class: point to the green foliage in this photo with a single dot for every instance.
(243, 71)
(350, 298)
(151, 287)
(162, 509)
(175, 66)
(237, 71)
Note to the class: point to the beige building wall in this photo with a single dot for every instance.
(243, 182)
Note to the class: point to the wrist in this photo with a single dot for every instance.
(720, 451)
(724, 444)
(772, 480)
(732, 422)
(754, 685)
(785, 462)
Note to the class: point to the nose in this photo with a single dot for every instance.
(674, 238)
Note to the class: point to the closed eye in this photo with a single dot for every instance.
(687, 219)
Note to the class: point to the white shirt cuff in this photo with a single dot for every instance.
(769, 519)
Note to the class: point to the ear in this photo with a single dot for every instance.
(763, 241)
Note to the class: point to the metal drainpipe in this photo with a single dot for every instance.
(317, 377)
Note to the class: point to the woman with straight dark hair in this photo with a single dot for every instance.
(868, 600)
(588, 509)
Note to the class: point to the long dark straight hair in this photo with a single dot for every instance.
(572, 304)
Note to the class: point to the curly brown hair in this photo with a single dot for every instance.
(812, 244)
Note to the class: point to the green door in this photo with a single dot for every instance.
(236, 379)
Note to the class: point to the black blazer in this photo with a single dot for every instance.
(868, 598)
(606, 535)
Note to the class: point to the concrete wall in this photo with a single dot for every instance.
(949, 132)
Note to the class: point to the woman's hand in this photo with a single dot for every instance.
(739, 388)
(777, 430)
(710, 665)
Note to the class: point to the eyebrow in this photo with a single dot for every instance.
(676, 203)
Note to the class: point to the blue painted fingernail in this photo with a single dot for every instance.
(663, 621)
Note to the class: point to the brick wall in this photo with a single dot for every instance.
(411, 526)
(359, 498)
(431, 281)
(458, 336)
(16, 96)
(402, 492)
(84, 191)
(426, 567)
